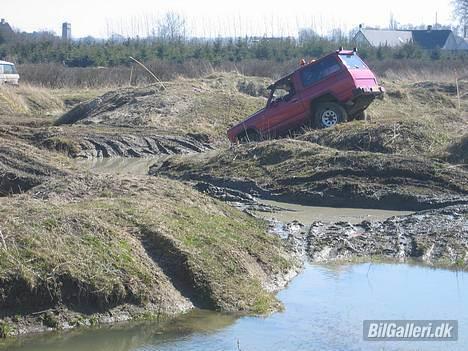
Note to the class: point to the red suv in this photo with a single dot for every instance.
(337, 88)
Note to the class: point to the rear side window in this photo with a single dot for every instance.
(9, 69)
(353, 62)
(319, 71)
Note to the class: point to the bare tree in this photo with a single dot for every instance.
(307, 34)
(172, 27)
(393, 22)
(460, 10)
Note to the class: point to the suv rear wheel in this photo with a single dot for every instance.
(329, 114)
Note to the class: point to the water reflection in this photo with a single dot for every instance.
(325, 307)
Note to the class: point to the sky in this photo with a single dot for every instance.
(208, 18)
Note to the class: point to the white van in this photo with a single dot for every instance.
(8, 73)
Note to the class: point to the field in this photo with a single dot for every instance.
(75, 245)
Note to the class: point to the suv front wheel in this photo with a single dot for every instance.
(329, 114)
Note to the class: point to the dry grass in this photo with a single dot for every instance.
(29, 100)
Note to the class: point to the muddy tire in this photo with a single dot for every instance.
(361, 116)
(248, 137)
(329, 114)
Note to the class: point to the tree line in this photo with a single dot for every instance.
(109, 53)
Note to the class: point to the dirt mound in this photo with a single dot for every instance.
(407, 137)
(433, 237)
(23, 166)
(298, 171)
(143, 246)
(207, 106)
(443, 87)
(458, 151)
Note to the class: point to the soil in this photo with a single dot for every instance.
(437, 237)
(21, 168)
(301, 172)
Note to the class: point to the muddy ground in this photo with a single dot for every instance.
(79, 249)
(437, 237)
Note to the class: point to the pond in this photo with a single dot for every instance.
(324, 310)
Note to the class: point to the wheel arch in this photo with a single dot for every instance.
(327, 97)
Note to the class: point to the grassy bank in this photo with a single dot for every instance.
(77, 245)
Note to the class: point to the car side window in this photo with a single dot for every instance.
(319, 71)
(9, 69)
(283, 91)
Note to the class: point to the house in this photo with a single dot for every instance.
(428, 39)
(382, 37)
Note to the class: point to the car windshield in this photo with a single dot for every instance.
(353, 61)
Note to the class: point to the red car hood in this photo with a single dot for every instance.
(363, 78)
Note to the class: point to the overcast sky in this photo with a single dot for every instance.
(212, 18)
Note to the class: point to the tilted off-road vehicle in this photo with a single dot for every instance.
(334, 89)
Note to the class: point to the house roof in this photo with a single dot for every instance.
(431, 39)
(382, 37)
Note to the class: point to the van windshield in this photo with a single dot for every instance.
(353, 61)
(9, 69)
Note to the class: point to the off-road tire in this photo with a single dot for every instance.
(248, 136)
(328, 114)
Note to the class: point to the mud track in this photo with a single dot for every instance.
(437, 237)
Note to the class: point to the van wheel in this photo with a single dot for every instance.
(248, 136)
(361, 116)
(329, 114)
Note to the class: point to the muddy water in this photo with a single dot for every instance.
(324, 310)
(119, 165)
(309, 214)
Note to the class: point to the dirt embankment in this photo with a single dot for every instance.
(79, 249)
(299, 171)
(203, 106)
(188, 116)
(22, 167)
(437, 237)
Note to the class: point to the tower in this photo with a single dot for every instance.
(66, 31)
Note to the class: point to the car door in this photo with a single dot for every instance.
(283, 112)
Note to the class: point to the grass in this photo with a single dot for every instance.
(28, 100)
(97, 247)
